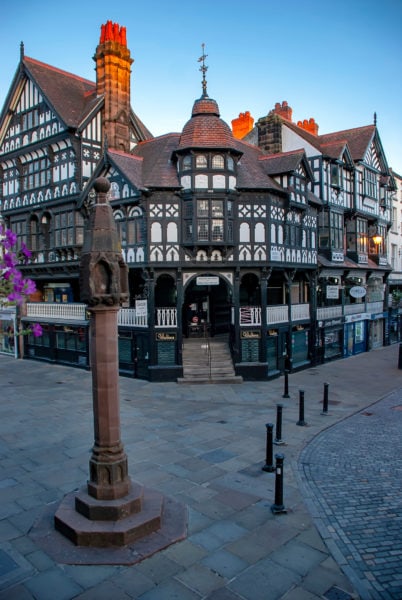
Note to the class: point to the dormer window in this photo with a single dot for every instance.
(218, 162)
(230, 162)
(201, 161)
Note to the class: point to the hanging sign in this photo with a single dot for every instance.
(141, 309)
(332, 292)
(357, 291)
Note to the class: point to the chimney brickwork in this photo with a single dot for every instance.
(113, 70)
(242, 125)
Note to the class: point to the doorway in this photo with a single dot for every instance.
(207, 306)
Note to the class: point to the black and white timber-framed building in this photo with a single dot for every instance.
(265, 241)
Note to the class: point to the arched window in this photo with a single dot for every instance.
(201, 161)
(121, 226)
(218, 162)
(135, 227)
(244, 232)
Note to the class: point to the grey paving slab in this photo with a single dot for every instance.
(205, 445)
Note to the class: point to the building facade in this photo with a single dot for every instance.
(356, 190)
(271, 236)
(395, 258)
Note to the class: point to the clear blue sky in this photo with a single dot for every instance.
(338, 62)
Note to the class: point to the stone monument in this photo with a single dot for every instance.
(110, 510)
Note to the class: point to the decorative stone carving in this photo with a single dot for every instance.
(103, 273)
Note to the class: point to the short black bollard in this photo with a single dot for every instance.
(278, 437)
(400, 357)
(286, 389)
(325, 400)
(278, 507)
(269, 461)
(301, 420)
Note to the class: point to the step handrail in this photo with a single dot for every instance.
(208, 350)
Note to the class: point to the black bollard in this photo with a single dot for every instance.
(286, 390)
(301, 420)
(269, 462)
(278, 507)
(325, 400)
(400, 357)
(278, 438)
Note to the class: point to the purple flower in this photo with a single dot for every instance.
(36, 330)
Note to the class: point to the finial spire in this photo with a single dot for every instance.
(22, 50)
(375, 119)
(203, 69)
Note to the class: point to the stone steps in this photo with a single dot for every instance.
(198, 368)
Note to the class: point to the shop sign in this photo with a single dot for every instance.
(333, 322)
(332, 292)
(141, 309)
(165, 337)
(250, 335)
(357, 291)
(379, 316)
(357, 317)
(207, 280)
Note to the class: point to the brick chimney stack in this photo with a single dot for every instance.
(242, 125)
(310, 126)
(283, 110)
(113, 70)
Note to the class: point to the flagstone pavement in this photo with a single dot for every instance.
(338, 537)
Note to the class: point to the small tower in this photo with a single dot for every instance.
(113, 70)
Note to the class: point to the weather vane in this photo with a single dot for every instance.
(203, 69)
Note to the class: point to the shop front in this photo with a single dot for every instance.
(330, 338)
(8, 328)
(376, 330)
(355, 334)
(300, 346)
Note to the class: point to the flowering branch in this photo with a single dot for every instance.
(14, 288)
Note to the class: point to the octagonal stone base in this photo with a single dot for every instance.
(102, 533)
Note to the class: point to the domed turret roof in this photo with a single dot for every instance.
(206, 129)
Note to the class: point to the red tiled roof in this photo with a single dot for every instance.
(130, 166)
(358, 139)
(284, 162)
(250, 172)
(72, 97)
(206, 129)
(158, 169)
(68, 94)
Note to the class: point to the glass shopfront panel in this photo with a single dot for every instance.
(7, 336)
(272, 353)
(300, 341)
(332, 343)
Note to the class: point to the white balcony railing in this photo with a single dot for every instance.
(277, 314)
(300, 312)
(353, 309)
(53, 310)
(166, 317)
(329, 312)
(250, 315)
(375, 307)
(128, 317)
